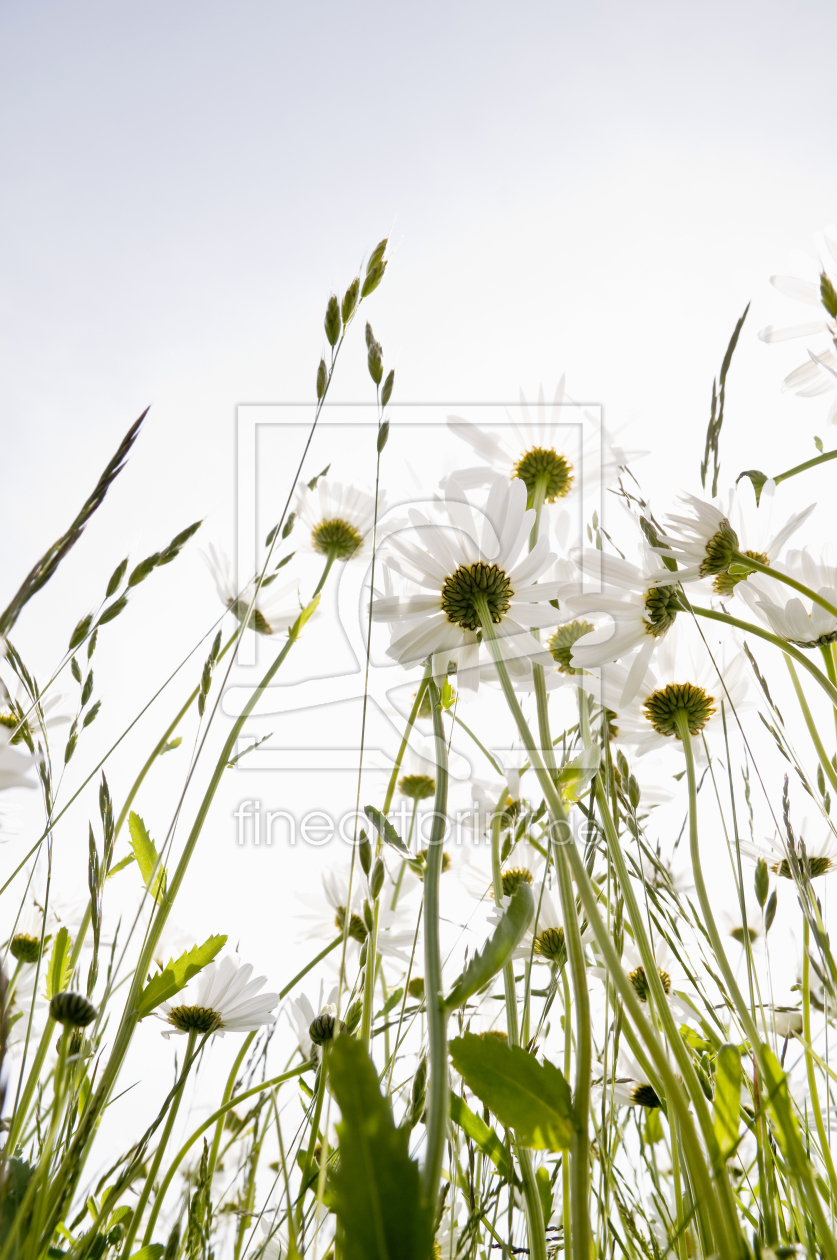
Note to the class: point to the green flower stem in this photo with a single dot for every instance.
(40, 1179)
(799, 1155)
(330, 558)
(827, 651)
(566, 1193)
(535, 1226)
(495, 765)
(809, 463)
(825, 761)
(580, 1151)
(228, 1089)
(438, 1090)
(309, 966)
(315, 1130)
(28, 1092)
(809, 1061)
(273, 1083)
(758, 567)
(73, 1164)
(788, 648)
(174, 1107)
(717, 1215)
(411, 721)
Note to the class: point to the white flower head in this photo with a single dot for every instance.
(221, 999)
(14, 765)
(760, 535)
(666, 968)
(327, 913)
(816, 374)
(276, 608)
(791, 616)
(28, 722)
(637, 606)
(703, 543)
(464, 571)
(302, 1015)
(820, 845)
(540, 447)
(338, 519)
(630, 1087)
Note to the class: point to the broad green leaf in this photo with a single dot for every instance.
(376, 1191)
(544, 1193)
(177, 974)
(784, 1121)
(385, 830)
(530, 1097)
(497, 949)
(306, 614)
(653, 1127)
(148, 859)
(484, 1136)
(17, 1175)
(59, 974)
(152, 1252)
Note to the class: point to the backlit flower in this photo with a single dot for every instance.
(276, 608)
(791, 616)
(221, 999)
(337, 518)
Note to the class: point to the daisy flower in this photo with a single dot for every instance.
(820, 849)
(635, 970)
(338, 518)
(221, 999)
(681, 682)
(539, 448)
(756, 529)
(791, 616)
(631, 1088)
(463, 571)
(302, 1015)
(26, 726)
(703, 543)
(14, 765)
(642, 601)
(815, 375)
(327, 914)
(274, 610)
(783, 1020)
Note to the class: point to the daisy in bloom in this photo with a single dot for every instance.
(791, 616)
(327, 914)
(545, 936)
(14, 765)
(642, 601)
(302, 1015)
(761, 537)
(448, 1236)
(221, 999)
(338, 518)
(274, 610)
(463, 571)
(630, 1087)
(683, 681)
(635, 970)
(703, 543)
(783, 1020)
(816, 375)
(734, 926)
(28, 722)
(539, 448)
(820, 850)
(25, 944)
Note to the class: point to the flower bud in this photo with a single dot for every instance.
(376, 879)
(418, 1094)
(770, 912)
(353, 1015)
(322, 379)
(368, 917)
(332, 321)
(762, 882)
(325, 1028)
(73, 1010)
(365, 853)
(374, 276)
(364, 949)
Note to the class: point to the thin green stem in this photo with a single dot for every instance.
(809, 463)
(809, 1062)
(273, 1083)
(438, 1090)
(825, 762)
(228, 1089)
(315, 1132)
(174, 1107)
(411, 721)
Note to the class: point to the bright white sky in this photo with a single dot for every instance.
(594, 189)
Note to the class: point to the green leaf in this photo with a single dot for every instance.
(385, 830)
(530, 1097)
(148, 859)
(17, 1175)
(306, 614)
(376, 1188)
(784, 1122)
(481, 1134)
(544, 1193)
(653, 1127)
(758, 479)
(59, 973)
(727, 1098)
(497, 949)
(152, 1251)
(177, 973)
(120, 866)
